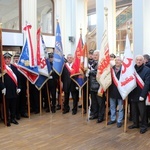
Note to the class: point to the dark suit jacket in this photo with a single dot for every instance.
(144, 73)
(9, 83)
(68, 83)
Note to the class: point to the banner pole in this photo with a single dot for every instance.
(107, 101)
(87, 100)
(126, 114)
(28, 97)
(1, 54)
(40, 95)
(49, 103)
(82, 99)
(60, 93)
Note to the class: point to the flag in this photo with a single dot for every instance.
(103, 70)
(58, 62)
(42, 56)
(42, 61)
(127, 80)
(26, 61)
(79, 65)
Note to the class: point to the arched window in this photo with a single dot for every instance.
(45, 16)
(10, 15)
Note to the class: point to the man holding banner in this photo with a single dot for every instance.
(11, 82)
(97, 102)
(115, 96)
(140, 95)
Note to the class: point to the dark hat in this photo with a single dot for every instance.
(17, 55)
(50, 55)
(7, 55)
(91, 51)
(112, 55)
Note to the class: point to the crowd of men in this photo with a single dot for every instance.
(16, 100)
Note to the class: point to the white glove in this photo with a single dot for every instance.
(77, 88)
(141, 98)
(87, 73)
(18, 91)
(4, 91)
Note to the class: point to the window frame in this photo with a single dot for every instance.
(20, 20)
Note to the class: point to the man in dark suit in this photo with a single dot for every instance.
(52, 84)
(11, 82)
(139, 94)
(69, 86)
(21, 99)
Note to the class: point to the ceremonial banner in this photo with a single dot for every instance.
(127, 80)
(58, 62)
(80, 65)
(26, 61)
(42, 61)
(103, 71)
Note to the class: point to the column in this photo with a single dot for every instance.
(146, 26)
(29, 14)
(138, 26)
(72, 15)
(111, 24)
(99, 22)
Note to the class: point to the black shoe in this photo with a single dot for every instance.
(142, 131)
(53, 109)
(111, 122)
(14, 121)
(74, 112)
(133, 126)
(58, 107)
(119, 124)
(8, 124)
(65, 111)
(80, 106)
(93, 117)
(47, 110)
(36, 112)
(18, 117)
(100, 120)
(24, 115)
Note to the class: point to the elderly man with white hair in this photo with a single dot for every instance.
(139, 94)
(97, 102)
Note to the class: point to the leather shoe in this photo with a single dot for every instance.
(111, 122)
(119, 124)
(58, 107)
(24, 115)
(142, 131)
(8, 124)
(133, 126)
(100, 120)
(18, 117)
(65, 111)
(47, 110)
(93, 117)
(80, 106)
(14, 121)
(74, 112)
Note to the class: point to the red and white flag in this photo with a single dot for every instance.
(103, 71)
(127, 80)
